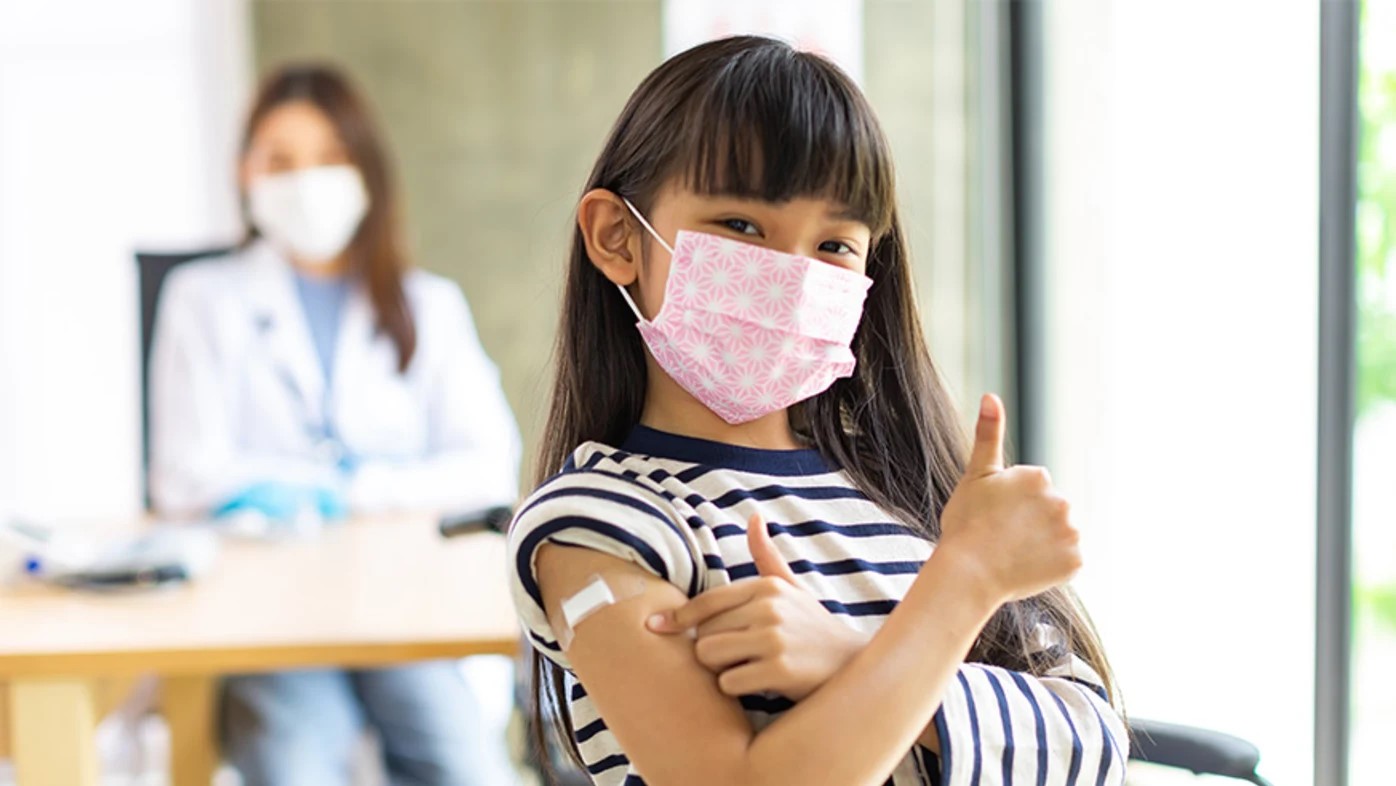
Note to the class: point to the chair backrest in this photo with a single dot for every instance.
(152, 269)
(1200, 751)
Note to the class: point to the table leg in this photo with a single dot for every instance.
(51, 732)
(4, 721)
(190, 707)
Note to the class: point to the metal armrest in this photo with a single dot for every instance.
(1202, 751)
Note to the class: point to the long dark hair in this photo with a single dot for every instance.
(752, 117)
(376, 251)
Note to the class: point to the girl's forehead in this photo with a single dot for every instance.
(823, 205)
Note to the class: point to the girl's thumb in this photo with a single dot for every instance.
(764, 553)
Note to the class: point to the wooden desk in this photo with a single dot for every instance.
(367, 593)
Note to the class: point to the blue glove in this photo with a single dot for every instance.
(283, 502)
(331, 503)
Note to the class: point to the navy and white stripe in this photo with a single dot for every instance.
(677, 507)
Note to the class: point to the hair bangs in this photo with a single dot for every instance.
(776, 124)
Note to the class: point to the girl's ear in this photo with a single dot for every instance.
(611, 239)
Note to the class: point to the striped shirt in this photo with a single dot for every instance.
(677, 507)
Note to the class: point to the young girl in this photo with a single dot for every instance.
(763, 556)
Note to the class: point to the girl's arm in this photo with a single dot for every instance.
(673, 721)
(780, 639)
(1005, 536)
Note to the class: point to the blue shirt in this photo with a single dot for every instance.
(322, 300)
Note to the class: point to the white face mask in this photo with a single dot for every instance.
(311, 214)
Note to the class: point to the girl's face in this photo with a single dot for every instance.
(629, 256)
(820, 229)
(295, 135)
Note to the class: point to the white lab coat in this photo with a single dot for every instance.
(237, 395)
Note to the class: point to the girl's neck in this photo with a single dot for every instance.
(672, 409)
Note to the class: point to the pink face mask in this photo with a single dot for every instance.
(749, 331)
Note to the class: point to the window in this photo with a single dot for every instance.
(1373, 705)
(1178, 374)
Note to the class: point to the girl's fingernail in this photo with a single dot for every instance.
(657, 622)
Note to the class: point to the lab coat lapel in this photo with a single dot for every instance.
(282, 320)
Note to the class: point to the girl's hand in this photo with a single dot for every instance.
(1008, 525)
(764, 634)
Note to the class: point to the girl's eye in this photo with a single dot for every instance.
(835, 247)
(740, 225)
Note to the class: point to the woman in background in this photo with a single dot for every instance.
(312, 373)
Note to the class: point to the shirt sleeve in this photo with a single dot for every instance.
(605, 512)
(998, 727)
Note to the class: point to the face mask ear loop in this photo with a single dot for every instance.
(646, 224)
(623, 292)
(630, 302)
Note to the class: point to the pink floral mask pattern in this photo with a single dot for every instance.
(747, 330)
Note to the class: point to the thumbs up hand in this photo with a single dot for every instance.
(1009, 523)
(767, 633)
(769, 562)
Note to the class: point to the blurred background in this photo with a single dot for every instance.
(1115, 215)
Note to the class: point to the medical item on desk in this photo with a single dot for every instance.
(81, 558)
(494, 519)
(271, 509)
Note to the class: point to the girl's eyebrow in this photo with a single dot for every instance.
(835, 211)
(844, 213)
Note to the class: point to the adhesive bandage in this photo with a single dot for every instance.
(597, 594)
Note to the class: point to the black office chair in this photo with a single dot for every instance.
(152, 270)
(1200, 751)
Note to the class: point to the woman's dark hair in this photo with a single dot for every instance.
(376, 251)
(751, 117)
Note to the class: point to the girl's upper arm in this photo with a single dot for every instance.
(664, 708)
